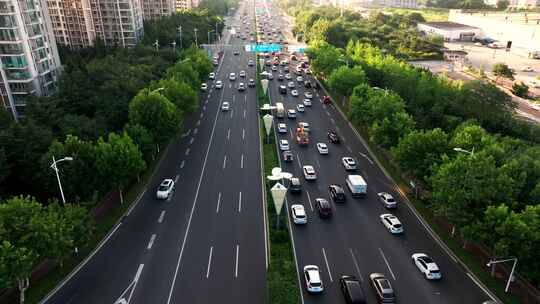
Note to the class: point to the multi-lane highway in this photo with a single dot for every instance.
(353, 241)
(206, 243)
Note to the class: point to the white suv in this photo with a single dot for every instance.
(313, 279)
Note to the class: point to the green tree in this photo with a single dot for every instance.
(323, 57)
(470, 136)
(388, 131)
(421, 151)
(119, 160)
(184, 71)
(181, 94)
(520, 89)
(16, 265)
(4, 166)
(502, 70)
(143, 139)
(502, 4)
(155, 113)
(463, 187)
(344, 79)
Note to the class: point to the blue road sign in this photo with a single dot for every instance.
(265, 48)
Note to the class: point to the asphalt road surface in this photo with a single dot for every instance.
(354, 241)
(206, 243)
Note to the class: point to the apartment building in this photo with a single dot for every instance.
(154, 9)
(29, 56)
(79, 23)
(186, 4)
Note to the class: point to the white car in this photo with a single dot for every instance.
(307, 102)
(288, 76)
(212, 75)
(219, 84)
(323, 148)
(298, 214)
(300, 79)
(527, 69)
(284, 145)
(313, 279)
(282, 128)
(349, 163)
(242, 74)
(274, 68)
(300, 108)
(391, 223)
(225, 106)
(387, 200)
(291, 113)
(251, 63)
(232, 76)
(426, 266)
(294, 93)
(290, 84)
(165, 189)
(308, 95)
(241, 86)
(204, 87)
(309, 173)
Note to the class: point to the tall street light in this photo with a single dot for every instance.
(55, 168)
(511, 272)
(464, 151)
(179, 29)
(196, 42)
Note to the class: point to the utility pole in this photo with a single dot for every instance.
(196, 43)
(174, 46)
(180, 34)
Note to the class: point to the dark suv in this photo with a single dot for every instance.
(337, 194)
(295, 186)
(383, 288)
(352, 290)
(282, 89)
(324, 208)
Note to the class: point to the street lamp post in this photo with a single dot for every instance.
(471, 153)
(55, 168)
(196, 43)
(511, 272)
(174, 46)
(156, 44)
(180, 34)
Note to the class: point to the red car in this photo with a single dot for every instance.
(326, 99)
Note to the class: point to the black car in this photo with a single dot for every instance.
(251, 83)
(288, 156)
(352, 290)
(324, 208)
(295, 186)
(337, 194)
(280, 77)
(282, 89)
(333, 137)
(236, 53)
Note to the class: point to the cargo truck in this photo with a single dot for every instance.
(280, 110)
(357, 185)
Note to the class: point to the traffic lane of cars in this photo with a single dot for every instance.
(429, 292)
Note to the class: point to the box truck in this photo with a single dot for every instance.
(357, 185)
(280, 110)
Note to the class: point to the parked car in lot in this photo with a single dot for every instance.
(165, 189)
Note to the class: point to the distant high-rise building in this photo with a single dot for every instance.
(29, 58)
(186, 4)
(154, 9)
(78, 23)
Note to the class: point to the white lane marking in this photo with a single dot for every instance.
(318, 163)
(242, 162)
(136, 202)
(206, 102)
(240, 202)
(198, 122)
(202, 114)
(186, 134)
(151, 242)
(327, 266)
(182, 164)
(161, 216)
(349, 148)
(230, 85)
(327, 113)
(245, 98)
(204, 108)
(135, 281)
(191, 140)
(236, 267)
(309, 200)
(244, 113)
(187, 151)
(228, 134)
(195, 131)
(481, 287)
(366, 157)
(333, 121)
(210, 91)
(194, 205)
(232, 113)
(224, 161)
(356, 265)
(243, 133)
(209, 261)
(218, 202)
(298, 160)
(387, 264)
(291, 134)
(176, 178)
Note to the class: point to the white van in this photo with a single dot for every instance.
(280, 110)
(357, 185)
